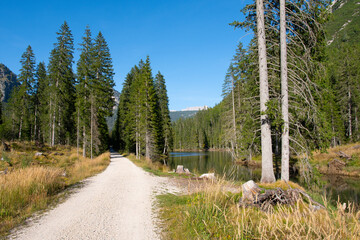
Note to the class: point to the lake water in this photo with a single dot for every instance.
(347, 189)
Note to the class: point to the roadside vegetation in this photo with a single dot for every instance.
(32, 178)
(215, 214)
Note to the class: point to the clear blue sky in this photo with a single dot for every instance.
(189, 41)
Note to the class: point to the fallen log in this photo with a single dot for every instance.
(266, 199)
(343, 155)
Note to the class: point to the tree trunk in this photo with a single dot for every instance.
(356, 124)
(285, 152)
(84, 141)
(78, 133)
(91, 126)
(233, 113)
(35, 124)
(20, 128)
(349, 114)
(267, 172)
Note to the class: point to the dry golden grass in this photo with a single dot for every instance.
(32, 182)
(156, 168)
(324, 158)
(281, 184)
(215, 214)
(24, 190)
(85, 167)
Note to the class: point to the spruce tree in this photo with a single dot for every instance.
(101, 95)
(166, 140)
(42, 96)
(23, 96)
(85, 74)
(62, 89)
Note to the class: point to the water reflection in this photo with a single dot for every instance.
(348, 189)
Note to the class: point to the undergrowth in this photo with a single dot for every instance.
(215, 214)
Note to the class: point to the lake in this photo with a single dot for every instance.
(347, 189)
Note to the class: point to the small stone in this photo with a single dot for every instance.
(38, 154)
(210, 176)
(187, 171)
(180, 169)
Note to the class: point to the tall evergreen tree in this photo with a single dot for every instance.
(22, 97)
(42, 96)
(85, 74)
(165, 141)
(62, 89)
(101, 95)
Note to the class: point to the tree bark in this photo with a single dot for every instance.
(233, 113)
(84, 141)
(267, 171)
(91, 126)
(349, 114)
(285, 152)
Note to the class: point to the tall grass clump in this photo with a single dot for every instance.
(85, 167)
(215, 214)
(23, 191)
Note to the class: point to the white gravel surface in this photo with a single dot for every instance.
(115, 204)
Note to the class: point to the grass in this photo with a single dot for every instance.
(32, 182)
(214, 214)
(352, 168)
(156, 168)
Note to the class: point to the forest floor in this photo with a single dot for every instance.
(115, 204)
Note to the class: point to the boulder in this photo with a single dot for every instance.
(187, 171)
(210, 176)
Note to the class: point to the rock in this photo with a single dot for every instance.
(180, 169)
(250, 191)
(210, 176)
(38, 154)
(187, 171)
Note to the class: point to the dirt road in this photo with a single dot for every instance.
(116, 204)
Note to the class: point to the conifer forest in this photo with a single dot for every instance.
(275, 156)
(293, 90)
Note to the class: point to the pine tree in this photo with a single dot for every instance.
(42, 96)
(62, 89)
(161, 92)
(101, 95)
(23, 96)
(85, 74)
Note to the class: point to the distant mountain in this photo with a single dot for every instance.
(185, 113)
(344, 25)
(175, 115)
(111, 120)
(8, 80)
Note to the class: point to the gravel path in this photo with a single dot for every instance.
(115, 204)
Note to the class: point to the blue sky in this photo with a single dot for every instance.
(189, 41)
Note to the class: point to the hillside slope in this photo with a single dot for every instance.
(8, 80)
(344, 25)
